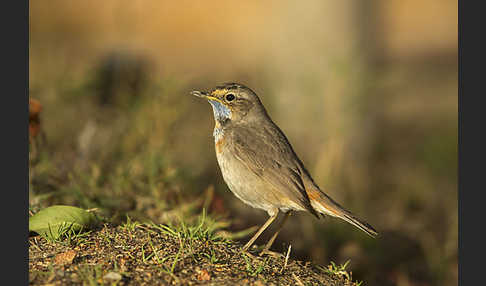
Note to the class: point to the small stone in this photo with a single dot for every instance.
(203, 275)
(65, 257)
(111, 277)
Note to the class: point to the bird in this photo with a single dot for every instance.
(259, 165)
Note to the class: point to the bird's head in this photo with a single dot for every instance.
(233, 102)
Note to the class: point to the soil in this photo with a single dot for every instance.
(148, 255)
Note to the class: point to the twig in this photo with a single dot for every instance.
(286, 259)
(297, 280)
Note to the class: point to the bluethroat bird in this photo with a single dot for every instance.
(259, 165)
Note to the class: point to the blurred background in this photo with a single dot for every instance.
(366, 92)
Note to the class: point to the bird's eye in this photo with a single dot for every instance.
(230, 97)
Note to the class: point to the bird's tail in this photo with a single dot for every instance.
(364, 226)
(325, 205)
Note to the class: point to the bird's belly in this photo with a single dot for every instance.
(246, 185)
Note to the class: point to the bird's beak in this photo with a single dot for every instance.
(203, 94)
(200, 94)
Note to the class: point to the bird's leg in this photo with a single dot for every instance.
(257, 234)
(280, 226)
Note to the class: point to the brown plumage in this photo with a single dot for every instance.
(260, 166)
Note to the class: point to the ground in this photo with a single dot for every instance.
(149, 254)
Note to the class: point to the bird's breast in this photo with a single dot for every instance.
(219, 139)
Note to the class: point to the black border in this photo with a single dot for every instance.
(471, 144)
(14, 25)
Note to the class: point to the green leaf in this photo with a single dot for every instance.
(57, 220)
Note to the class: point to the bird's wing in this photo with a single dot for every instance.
(267, 153)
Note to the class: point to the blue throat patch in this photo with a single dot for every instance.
(221, 112)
